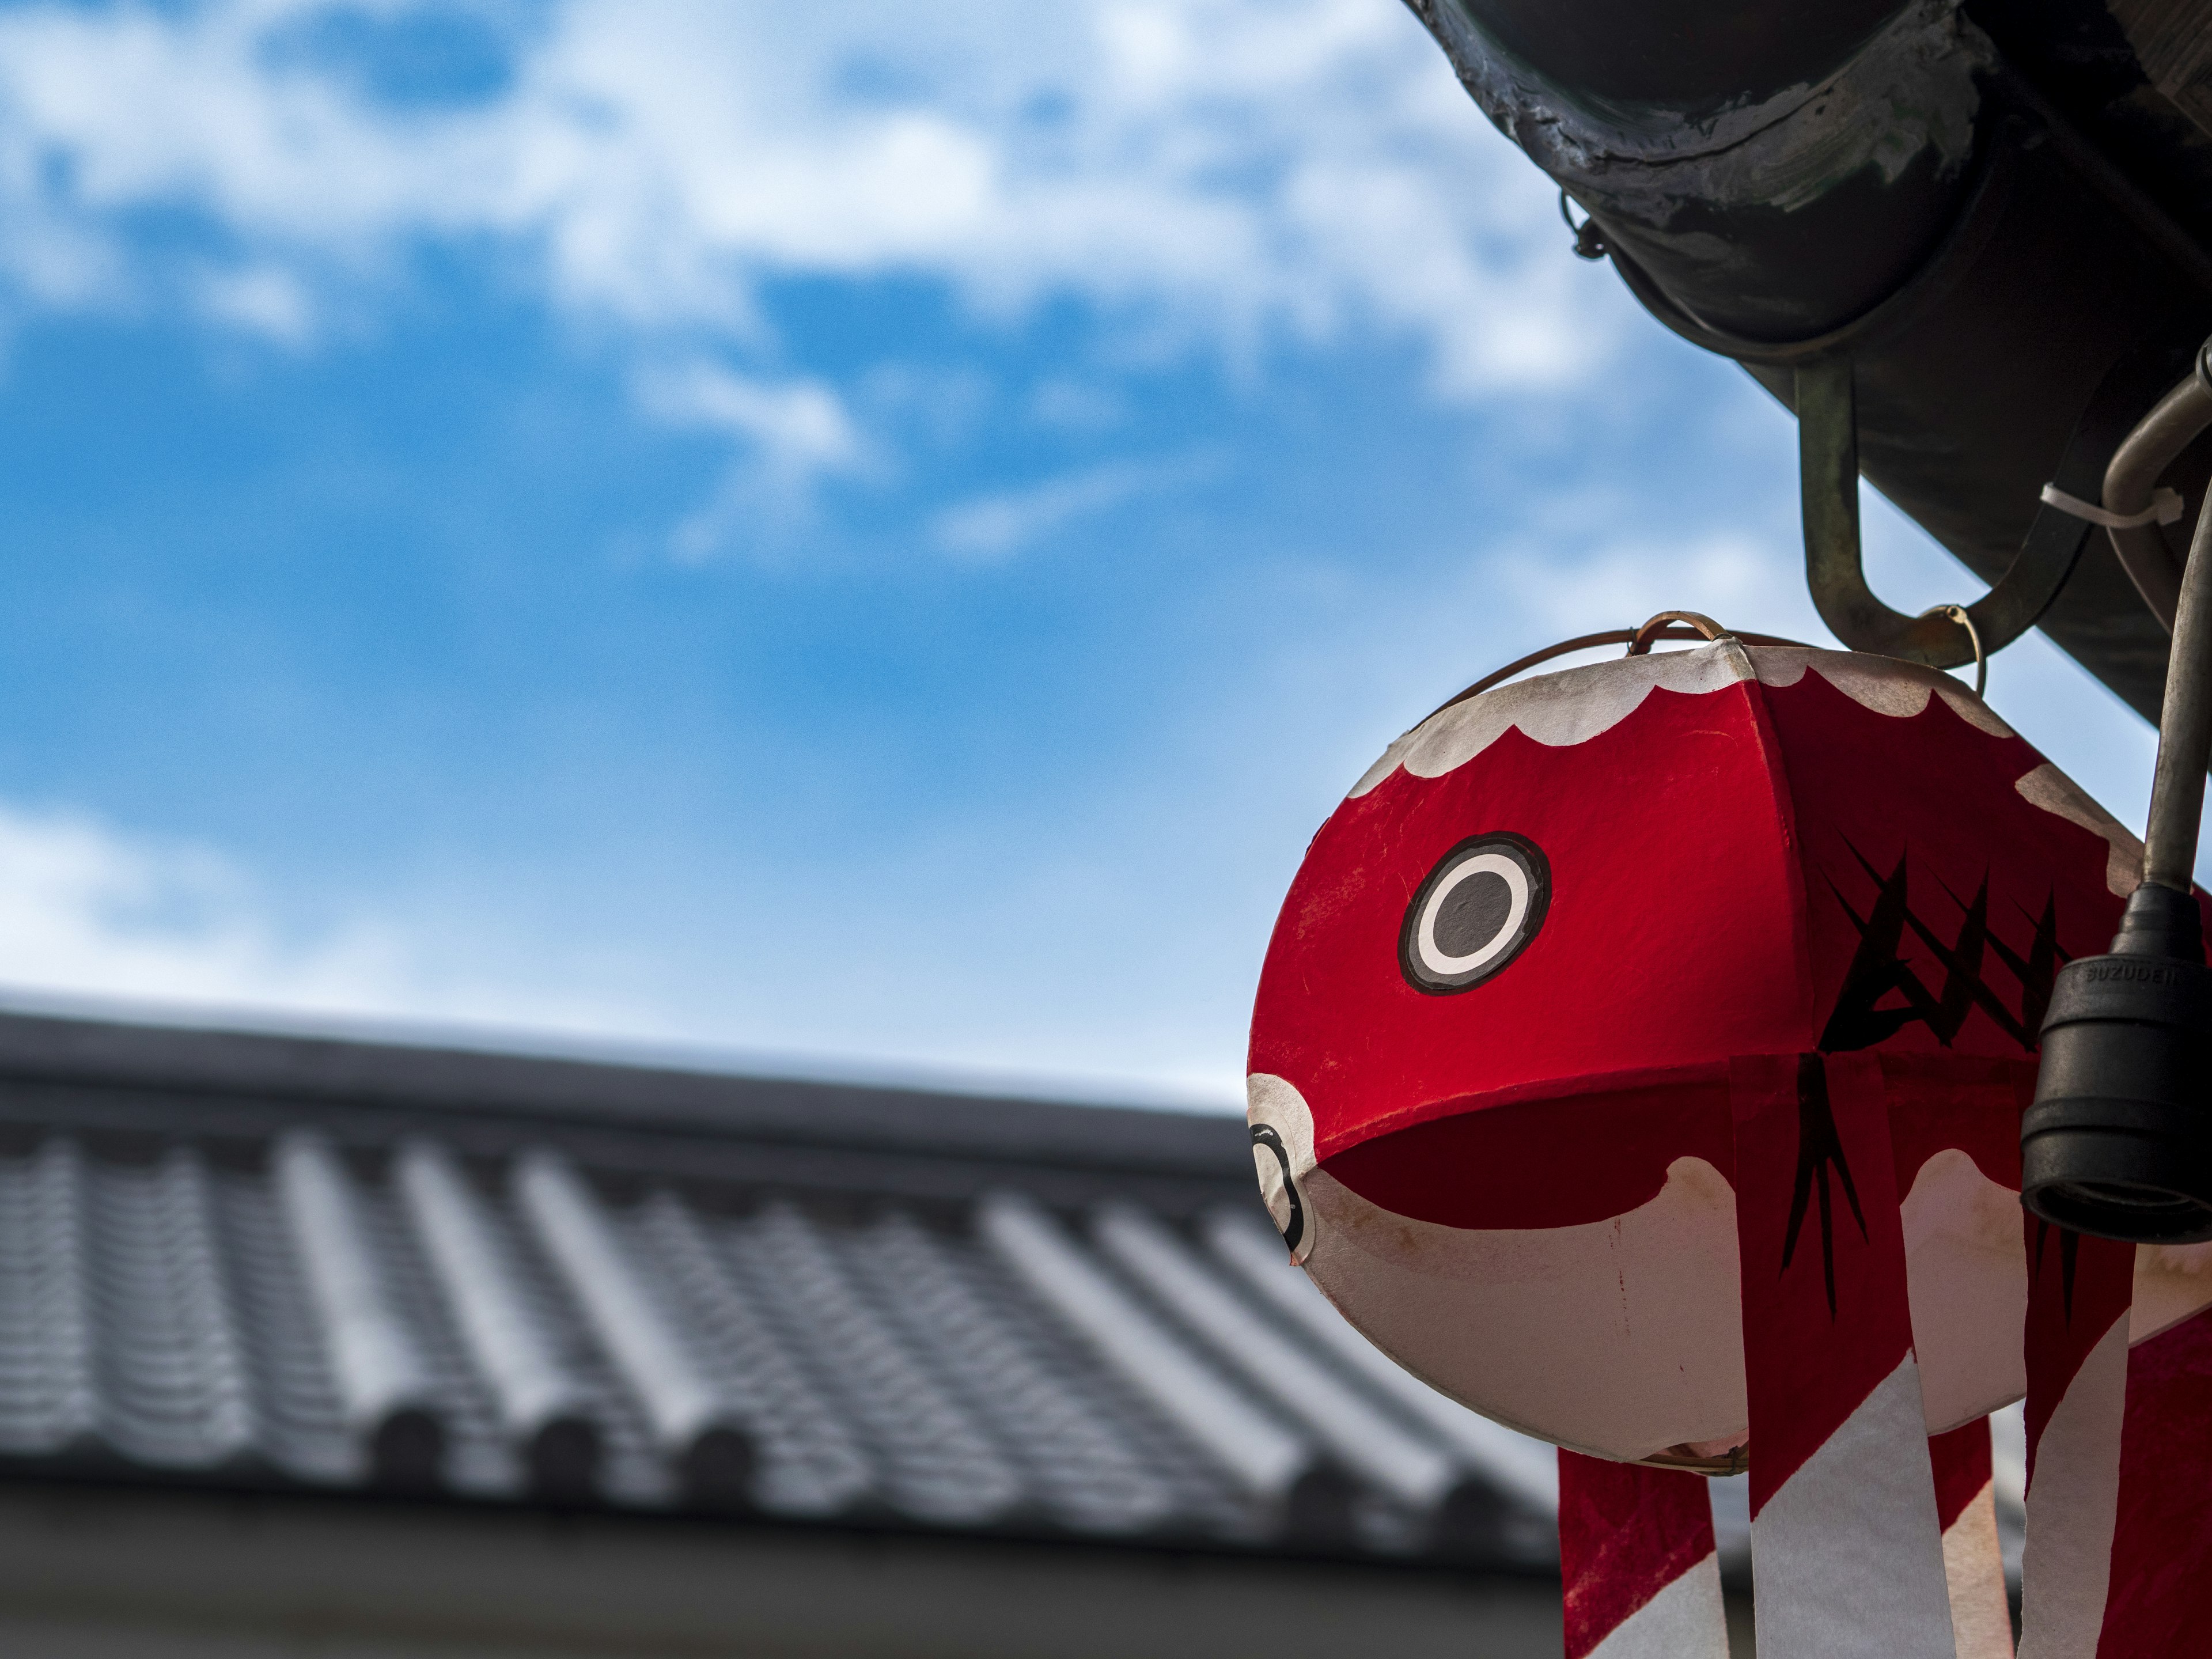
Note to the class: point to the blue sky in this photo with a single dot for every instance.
(863, 542)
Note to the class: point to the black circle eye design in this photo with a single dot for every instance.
(1475, 912)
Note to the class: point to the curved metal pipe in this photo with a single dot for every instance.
(2114, 1144)
(2185, 727)
(1828, 480)
(1828, 467)
(1949, 637)
(1930, 283)
(2132, 477)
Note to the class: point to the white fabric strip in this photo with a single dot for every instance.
(2073, 1503)
(1974, 1567)
(1848, 1557)
(2165, 508)
(1685, 1621)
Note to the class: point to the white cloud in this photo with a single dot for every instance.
(87, 909)
(1220, 172)
(97, 920)
(264, 299)
(1000, 525)
(788, 435)
(800, 426)
(90, 912)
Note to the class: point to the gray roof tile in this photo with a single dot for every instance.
(540, 1401)
(498, 1306)
(51, 1399)
(173, 1377)
(698, 1423)
(1408, 1466)
(386, 1401)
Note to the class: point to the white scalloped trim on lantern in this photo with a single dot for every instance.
(1883, 683)
(1571, 707)
(2054, 792)
(1557, 710)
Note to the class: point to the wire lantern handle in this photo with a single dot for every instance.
(1666, 625)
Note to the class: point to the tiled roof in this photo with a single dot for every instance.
(255, 1261)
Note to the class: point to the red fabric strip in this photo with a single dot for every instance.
(2077, 1287)
(1971, 1102)
(1961, 1461)
(1625, 1533)
(2159, 1605)
(1821, 1248)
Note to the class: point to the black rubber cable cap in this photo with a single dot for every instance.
(2118, 1143)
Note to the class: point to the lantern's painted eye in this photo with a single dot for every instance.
(1477, 910)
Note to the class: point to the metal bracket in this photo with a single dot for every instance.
(1828, 451)
(1828, 467)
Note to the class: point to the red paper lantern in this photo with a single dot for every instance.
(1639, 1059)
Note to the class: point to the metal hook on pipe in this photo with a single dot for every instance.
(1589, 237)
(1961, 615)
(1828, 470)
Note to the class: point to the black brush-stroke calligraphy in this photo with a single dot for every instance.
(1864, 1015)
